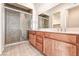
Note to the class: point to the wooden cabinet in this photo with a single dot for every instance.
(64, 49)
(62, 37)
(32, 39)
(48, 46)
(55, 44)
(32, 32)
(39, 41)
(39, 33)
(39, 46)
(57, 48)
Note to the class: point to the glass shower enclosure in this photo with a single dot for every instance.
(16, 26)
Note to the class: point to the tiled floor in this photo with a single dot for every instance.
(24, 49)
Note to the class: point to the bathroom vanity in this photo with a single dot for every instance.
(55, 43)
(63, 37)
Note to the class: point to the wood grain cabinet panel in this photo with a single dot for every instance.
(47, 46)
(58, 48)
(63, 37)
(40, 33)
(64, 49)
(32, 39)
(39, 39)
(66, 38)
(55, 44)
(31, 32)
(39, 46)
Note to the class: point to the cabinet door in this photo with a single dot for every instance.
(39, 39)
(32, 39)
(64, 49)
(39, 46)
(47, 46)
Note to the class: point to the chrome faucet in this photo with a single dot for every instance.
(59, 29)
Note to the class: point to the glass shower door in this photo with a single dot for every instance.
(25, 25)
(12, 23)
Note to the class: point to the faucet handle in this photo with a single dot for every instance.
(58, 29)
(61, 29)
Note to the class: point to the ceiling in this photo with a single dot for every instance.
(40, 7)
(43, 7)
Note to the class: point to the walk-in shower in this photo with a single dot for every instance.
(16, 26)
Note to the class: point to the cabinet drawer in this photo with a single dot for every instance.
(63, 37)
(32, 39)
(39, 33)
(47, 34)
(31, 32)
(39, 39)
(39, 46)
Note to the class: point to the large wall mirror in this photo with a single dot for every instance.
(56, 20)
(43, 21)
(49, 19)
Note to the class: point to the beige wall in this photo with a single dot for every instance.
(73, 18)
